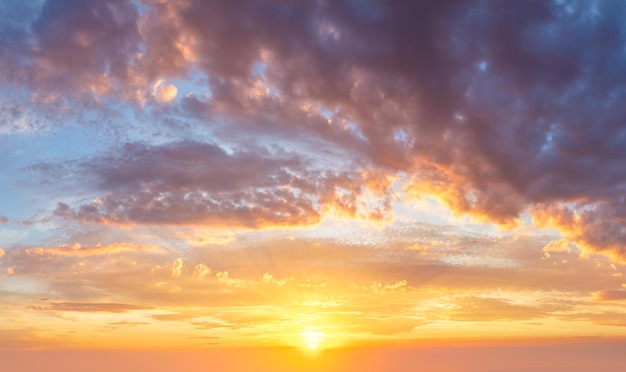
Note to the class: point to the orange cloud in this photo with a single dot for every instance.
(164, 92)
(562, 245)
(595, 230)
(201, 271)
(612, 295)
(88, 307)
(177, 268)
(79, 251)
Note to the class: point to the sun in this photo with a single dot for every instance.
(313, 338)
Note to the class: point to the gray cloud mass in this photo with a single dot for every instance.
(497, 108)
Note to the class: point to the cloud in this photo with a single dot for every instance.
(262, 283)
(494, 111)
(85, 48)
(194, 183)
(79, 251)
(125, 323)
(491, 113)
(172, 317)
(205, 325)
(558, 246)
(476, 308)
(88, 307)
(596, 229)
(177, 268)
(270, 279)
(268, 269)
(610, 295)
(223, 277)
(201, 271)
(16, 18)
(201, 236)
(164, 93)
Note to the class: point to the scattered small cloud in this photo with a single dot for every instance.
(177, 268)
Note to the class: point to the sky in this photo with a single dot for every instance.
(394, 179)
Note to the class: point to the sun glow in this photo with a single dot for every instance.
(313, 338)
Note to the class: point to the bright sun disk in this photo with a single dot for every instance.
(312, 338)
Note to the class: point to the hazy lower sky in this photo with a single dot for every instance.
(312, 175)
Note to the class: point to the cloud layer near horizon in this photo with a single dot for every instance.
(252, 288)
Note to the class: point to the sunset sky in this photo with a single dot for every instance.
(383, 178)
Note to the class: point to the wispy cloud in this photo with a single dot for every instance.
(78, 251)
(87, 307)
